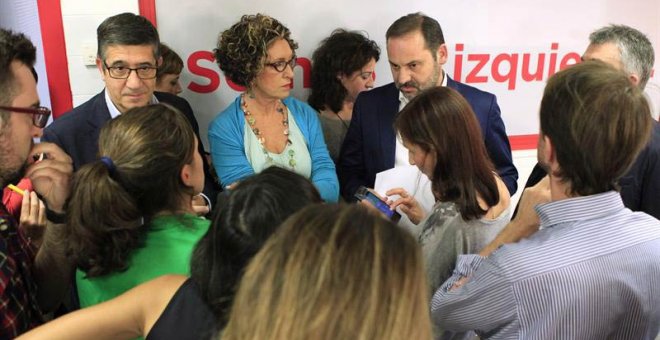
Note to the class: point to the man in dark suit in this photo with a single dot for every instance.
(630, 50)
(416, 51)
(128, 58)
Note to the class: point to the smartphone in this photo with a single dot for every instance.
(364, 194)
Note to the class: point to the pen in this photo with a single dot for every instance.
(16, 189)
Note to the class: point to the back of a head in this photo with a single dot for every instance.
(333, 272)
(440, 121)
(636, 50)
(429, 27)
(342, 53)
(172, 62)
(13, 47)
(253, 210)
(126, 29)
(139, 175)
(597, 121)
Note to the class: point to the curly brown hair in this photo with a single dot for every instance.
(243, 48)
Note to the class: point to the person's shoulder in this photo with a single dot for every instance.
(298, 106)
(468, 90)
(176, 101)
(229, 114)
(378, 93)
(76, 116)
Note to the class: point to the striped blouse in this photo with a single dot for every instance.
(591, 272)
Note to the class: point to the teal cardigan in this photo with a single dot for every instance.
(226, 134)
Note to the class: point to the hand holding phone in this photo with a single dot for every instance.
(365, 194)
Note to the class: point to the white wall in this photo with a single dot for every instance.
(23, 16)
(80, 19)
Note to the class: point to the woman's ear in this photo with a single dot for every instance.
(186, 175)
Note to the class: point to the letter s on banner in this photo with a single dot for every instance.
(196, 69)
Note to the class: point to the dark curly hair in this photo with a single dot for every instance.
(243, 48)
(343, 52)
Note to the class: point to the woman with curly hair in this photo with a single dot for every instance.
(264, 126)
(130, 216)
(342, 67)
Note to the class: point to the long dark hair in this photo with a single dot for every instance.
(439, 120)
(110, 205)
(247, 217)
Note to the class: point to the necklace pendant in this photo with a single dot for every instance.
(286, 132)
(250, 120)
(262, 140)
(292, 163)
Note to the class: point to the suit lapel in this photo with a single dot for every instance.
(388, 108)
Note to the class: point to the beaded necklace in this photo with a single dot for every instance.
(262, 141)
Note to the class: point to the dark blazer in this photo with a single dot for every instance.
(77, 132)
(640, 186)
(370, 142)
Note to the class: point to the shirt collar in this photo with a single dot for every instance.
(579, 208)
(114, 111)
(403, 100)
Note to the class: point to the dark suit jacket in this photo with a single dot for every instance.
(370, 142)
(77, 132)
(640, 186)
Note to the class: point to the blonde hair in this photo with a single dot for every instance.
(333, 272)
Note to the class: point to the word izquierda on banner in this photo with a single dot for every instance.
(510, 67)
(471, 68)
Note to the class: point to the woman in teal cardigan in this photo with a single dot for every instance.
(265, 126)
(130, 216)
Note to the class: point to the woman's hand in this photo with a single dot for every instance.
(33, 217)
(407, 204)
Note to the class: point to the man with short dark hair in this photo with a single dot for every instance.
(585, 267)
(416, 52)
(628, 49)
(31, 280)
(128, 58)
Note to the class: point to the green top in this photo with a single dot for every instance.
(167, 250)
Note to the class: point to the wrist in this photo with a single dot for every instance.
(55, 216)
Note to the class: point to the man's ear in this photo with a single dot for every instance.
(634, 79)
(186, 175)
(549, 154)
(99, 65)
(441, 54)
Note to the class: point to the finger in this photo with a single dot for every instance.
(395, 191)
(201, 210)
(42, 213)
(52, 150)
(25, 207)
(34, 207)
(407, 202)
(62, 167)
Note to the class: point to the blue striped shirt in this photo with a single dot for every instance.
(591, 272)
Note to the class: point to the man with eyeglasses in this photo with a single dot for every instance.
(32, 279)
(128, 59)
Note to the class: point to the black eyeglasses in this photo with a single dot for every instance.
(123, 72)
(280, 66)
(39, 114)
